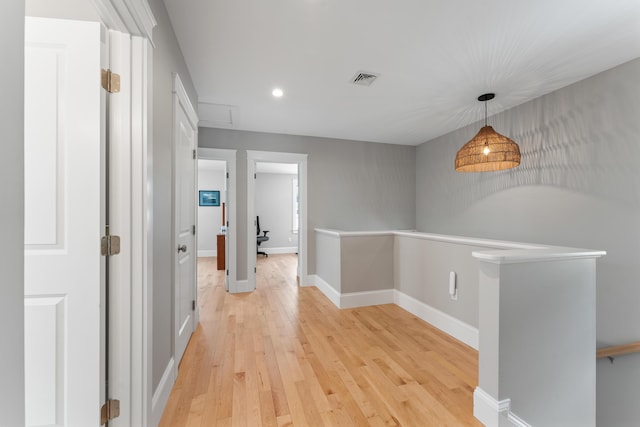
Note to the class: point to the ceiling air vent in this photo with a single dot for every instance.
(363, 78)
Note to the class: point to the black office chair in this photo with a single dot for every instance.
(260, 238)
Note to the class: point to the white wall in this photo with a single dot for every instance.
(12, 213)
(210, 217)
(274, 206)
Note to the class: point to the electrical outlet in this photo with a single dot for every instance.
(453, 286)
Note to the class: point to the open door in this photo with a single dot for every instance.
(64, 205)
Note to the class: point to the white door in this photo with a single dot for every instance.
(184, 140)
(63, 205)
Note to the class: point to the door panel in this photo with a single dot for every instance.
(185, 183)
(63, 202)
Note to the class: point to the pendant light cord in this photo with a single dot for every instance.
(486, 139)
(485, 113)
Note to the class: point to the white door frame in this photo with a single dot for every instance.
(131, 271)
(181, 101)
(228, 156)
(131, 219)
(275, 157)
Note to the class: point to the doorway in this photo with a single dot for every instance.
(208, 229)
(211, 229)
(277, 217)
(255, 158)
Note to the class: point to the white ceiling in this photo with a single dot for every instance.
(434, 58)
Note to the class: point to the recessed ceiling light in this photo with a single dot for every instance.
(277, 92)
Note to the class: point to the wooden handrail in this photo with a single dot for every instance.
(618, 350)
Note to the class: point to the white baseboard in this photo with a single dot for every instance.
(207, 253)
(516, 421)
(327, 290)
(363, 299)
(241, 286)
(284, 250)
(494, 413)
(306, 281)
(446, 323)
(161, 395)
(487, 409)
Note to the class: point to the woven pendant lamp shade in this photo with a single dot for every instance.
(504, 153)
(488, 151)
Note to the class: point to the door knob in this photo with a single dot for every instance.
(182, 248)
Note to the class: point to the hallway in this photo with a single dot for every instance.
(285, 355)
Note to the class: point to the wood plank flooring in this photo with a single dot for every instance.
(286, 356)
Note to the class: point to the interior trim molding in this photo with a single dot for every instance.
(185, 101)
(311, 281)
(207, 253)
(242, 286)
(281, 250)
(367, 298)
(132, 16)
(327, 290)
(490, 411)
(441, 320)
(446, 323)
(161, 395)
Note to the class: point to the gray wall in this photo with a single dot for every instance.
(352, 185)
(547, 348)
(80, 10)
(366, 263)
(12, 213)
(167, 58)
(578, 185)
(329, 262)
(274, 206)
(422, 272)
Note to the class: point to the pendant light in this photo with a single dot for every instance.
(488, 151)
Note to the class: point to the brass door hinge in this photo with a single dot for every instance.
(110, 81)
(109, 411)
(110, 245)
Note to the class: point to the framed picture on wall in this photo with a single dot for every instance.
(209, 198)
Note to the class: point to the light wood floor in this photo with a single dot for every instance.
(286, 356)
